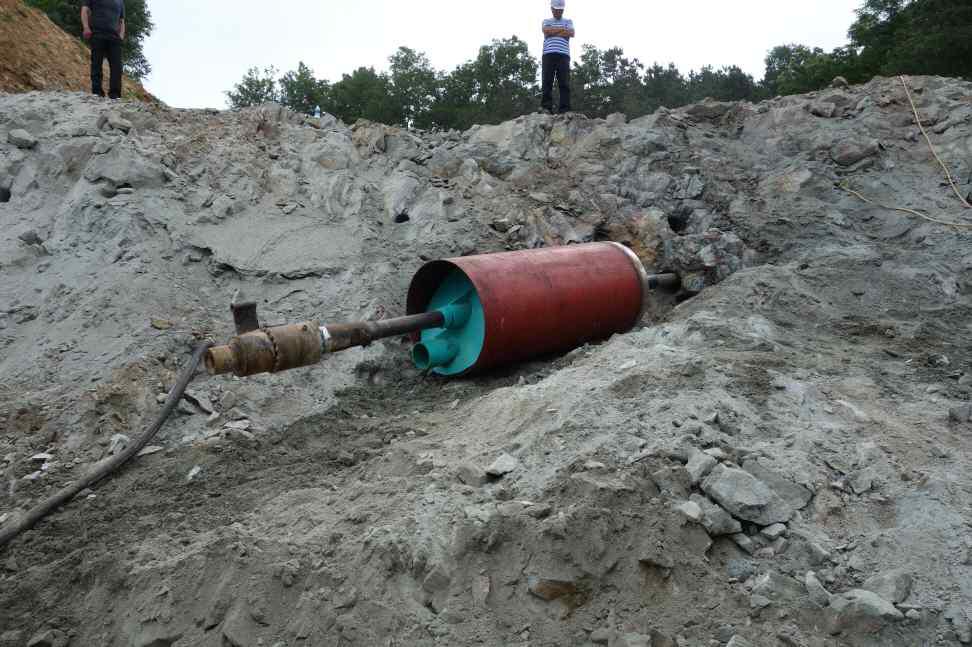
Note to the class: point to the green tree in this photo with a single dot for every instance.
(66, 14)
(499, 84)
(255, 88)
(301, 91)
(363, 94)
(607, 81)
(795, 69)
(664, 86)
(916, 37)
(415, 87)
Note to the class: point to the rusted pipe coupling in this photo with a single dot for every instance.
(269, 350)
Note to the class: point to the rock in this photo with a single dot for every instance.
(603, 636)
(775, 531)
(815, 589)
(199, 399)
(852, 151)
(892, 585)
(794, 494)
(49, 638)
(699, 465)
(708, 109)
(673, 481)
(30, 237)
(818, 554)
(156, 635)
(151, 449)
(759, 601)
(859, 611)
(12, 638)
(738, 641)
(691, 510)
(778, 588)
(960, 414)
(862, 482)
(549, 589)
(744, 542)
(740, 569)
(632, 640)
(118, 122)
(238, 425)
(960, 622)
(502, 466)
(501, 225)
(913, 614)
(242, 437)
(118, 444)
(823, 109)
(746, 497)
(471, 474)
(716, 452)
(161, 324)
(10, 565)
(21, 139)
(839, 82)
(716, 520)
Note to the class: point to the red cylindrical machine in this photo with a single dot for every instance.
(534, 302)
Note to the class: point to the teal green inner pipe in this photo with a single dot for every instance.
(455, 347)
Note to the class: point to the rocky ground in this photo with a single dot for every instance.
(780, 455)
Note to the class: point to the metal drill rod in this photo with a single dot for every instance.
(342, 336)
(668, 282)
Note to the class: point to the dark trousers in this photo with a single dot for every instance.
(103, 47)
(556, 65)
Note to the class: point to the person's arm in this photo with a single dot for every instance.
(569, 31)
(550, 30)
(86, 21)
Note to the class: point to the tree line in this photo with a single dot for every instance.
(888, 37)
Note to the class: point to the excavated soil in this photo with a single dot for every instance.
(778, 455)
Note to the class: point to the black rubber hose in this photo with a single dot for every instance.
(106, 467)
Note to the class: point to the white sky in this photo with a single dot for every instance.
(200, 48)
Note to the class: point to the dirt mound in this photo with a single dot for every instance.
(39, 55)
(780, 457)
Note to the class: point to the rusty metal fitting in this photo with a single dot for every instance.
(270, 350)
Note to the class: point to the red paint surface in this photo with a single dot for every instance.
(543, 301)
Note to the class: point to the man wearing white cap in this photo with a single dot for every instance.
(557, 32)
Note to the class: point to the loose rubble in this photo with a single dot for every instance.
(777, 455)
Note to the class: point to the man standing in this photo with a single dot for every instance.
(104, 25)
(557, 33)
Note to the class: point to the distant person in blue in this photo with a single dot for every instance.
(557, 32)
(103, 22)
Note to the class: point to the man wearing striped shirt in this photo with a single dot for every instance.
(557, 33)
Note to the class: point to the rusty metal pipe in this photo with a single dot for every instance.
(281, 348)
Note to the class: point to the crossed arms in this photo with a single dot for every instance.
(558, 31)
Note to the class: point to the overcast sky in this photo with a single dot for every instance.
(200, 48)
